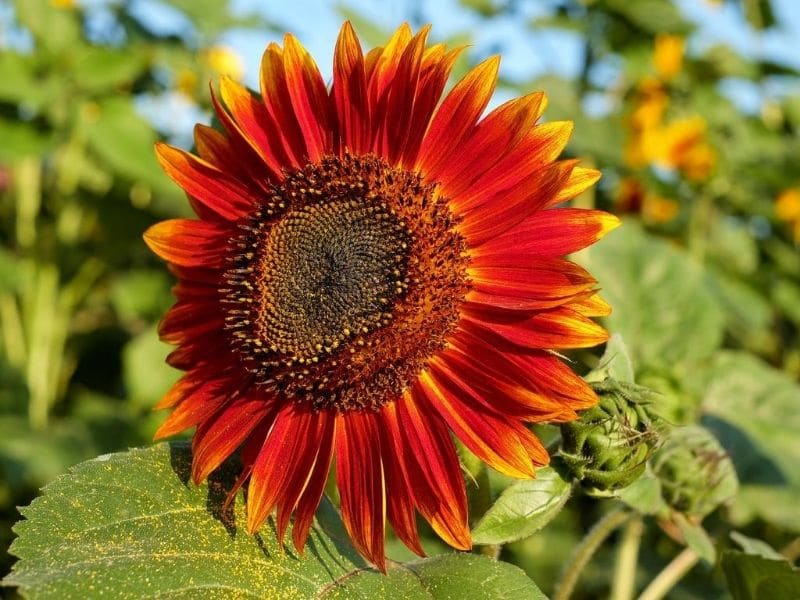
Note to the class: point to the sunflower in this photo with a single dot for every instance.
(371, 269)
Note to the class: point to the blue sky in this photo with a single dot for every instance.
(525, 56)
(316, 23)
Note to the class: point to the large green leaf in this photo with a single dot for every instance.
(124, 140)
(662, 306)
(752, 577)
(132, 524)
(522, 509)
(752, 408)
(98, 69)
(55, 30)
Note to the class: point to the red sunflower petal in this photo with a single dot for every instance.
(309, 98)
(399, 501)
(255, 124)
(188, 242)
(503, 211)
(428, 459)
(550, 233)
(349, 92)
(436, 67)
(226, 155)
(180, 389)
(456, 117)
(523, 285)
(397, 102)
(537, 370)
(322, 434)
(579, 180)
(481, 179)
(277, 99)
(495, 386)
(591, 306)
(196, 405)
(360, 474)
(309, 500)
(294, 439)
(557, 328)
(490, 436)
(187, 320)
(218, 191)
(219, 436)
(498, 133)
(381, 63)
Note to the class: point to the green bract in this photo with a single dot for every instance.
(608, 447)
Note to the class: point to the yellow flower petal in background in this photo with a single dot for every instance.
(668, 55)
(652, 103)
(677, 139)
(224, 61)
(787, 205)
(698, 162)
(656, 209)
(186, 82)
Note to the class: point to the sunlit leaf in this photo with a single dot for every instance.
(132, 524)
(523, 508)
(662, 306)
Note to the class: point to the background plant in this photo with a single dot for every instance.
(704, 277)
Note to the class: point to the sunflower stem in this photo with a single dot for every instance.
(623, 584)
(699, 221)
(480, 502)
(671, 575)
(586, 549)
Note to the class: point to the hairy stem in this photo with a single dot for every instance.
(624, 583)
(671, 575)
(586, 549)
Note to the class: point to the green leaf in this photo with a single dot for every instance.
(759, 13)
(644, 495)
(99, 69)
(470, 577)
(124, 140)
(786, 295)
(18, 74)
(756, 547)
(662, 306)
(523, 508)
(615, 363)
(131, 524)
(29, 458)
(696, 538)
(654, 16)
(21, 139)
(753, 577)
(141, 294)
(752, 409)
(147, 376)
(53, 29)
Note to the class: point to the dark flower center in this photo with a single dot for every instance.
(344, 283)
(330, 271)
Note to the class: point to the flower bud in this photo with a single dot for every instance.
(608, 447)
(696, 473)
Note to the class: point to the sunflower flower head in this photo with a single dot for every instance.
(374, 268)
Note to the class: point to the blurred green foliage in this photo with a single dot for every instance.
(704, 276)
